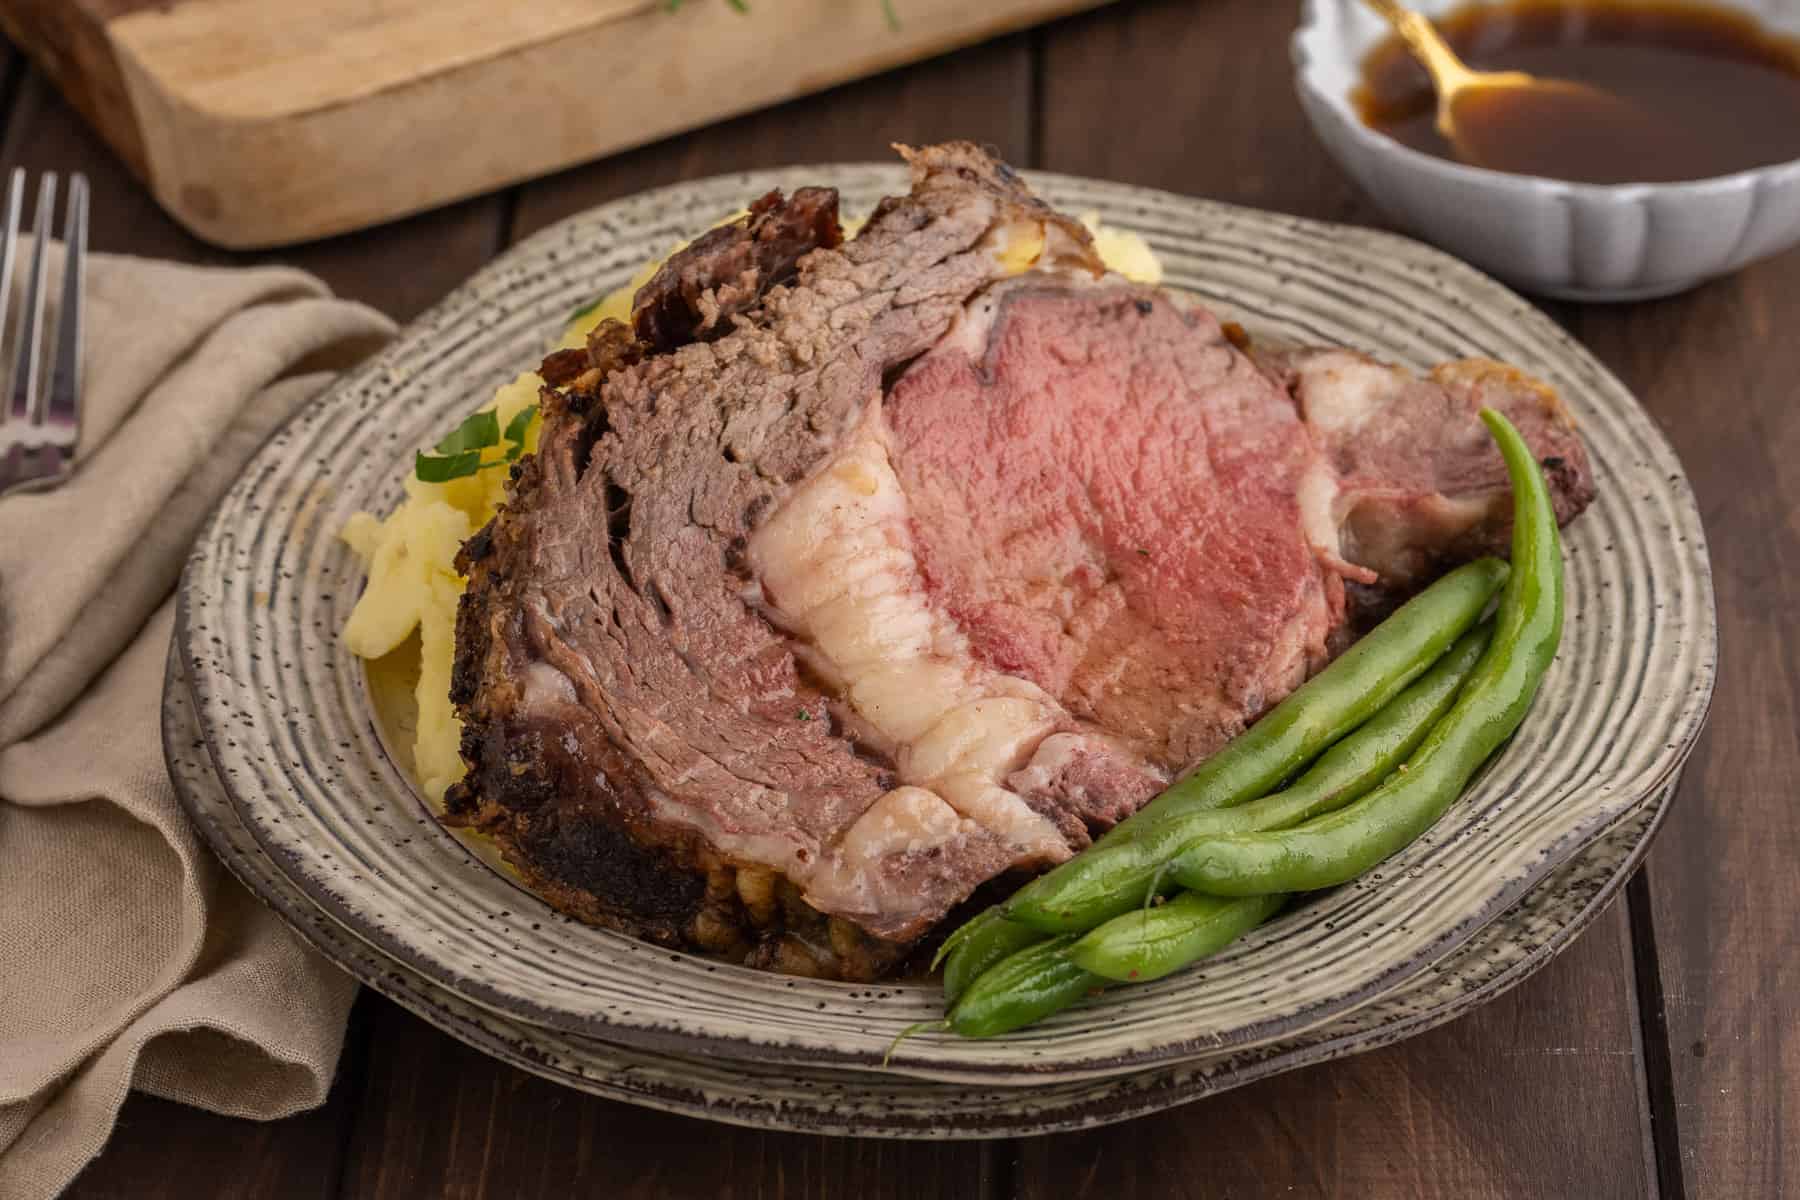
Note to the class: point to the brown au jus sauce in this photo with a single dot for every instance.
(1715, 91)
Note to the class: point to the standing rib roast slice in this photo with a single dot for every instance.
(856, 574)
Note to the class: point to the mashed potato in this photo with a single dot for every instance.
(410, 555)
(1124, 252)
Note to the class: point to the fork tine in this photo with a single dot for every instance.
(65, 365)
(29, 356)
(9, 250)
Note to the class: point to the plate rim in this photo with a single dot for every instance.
(483, 994)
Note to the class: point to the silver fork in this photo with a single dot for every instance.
(41, 420)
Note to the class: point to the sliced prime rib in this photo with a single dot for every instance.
(856, 574)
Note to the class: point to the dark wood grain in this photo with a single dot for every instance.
(1532, 1095)
(1718, 369)
(1547, 1092)
(440, 1119)
(982, 94)
(161, 1150)
(1195, 98)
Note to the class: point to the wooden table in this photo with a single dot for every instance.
(1659, 1056)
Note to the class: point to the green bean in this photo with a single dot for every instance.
(1108, 881)
(964, 932)
(1337, 848)
(980, 943)
(1152, 942)
(1024, 987)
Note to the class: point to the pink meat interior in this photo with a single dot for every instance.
(1104, 497)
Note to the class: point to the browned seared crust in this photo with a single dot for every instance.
(692, 297)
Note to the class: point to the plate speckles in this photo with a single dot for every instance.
(284, 714)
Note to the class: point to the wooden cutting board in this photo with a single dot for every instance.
(263, 122)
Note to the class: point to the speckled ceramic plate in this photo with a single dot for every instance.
(870, 1104)
(286, 717)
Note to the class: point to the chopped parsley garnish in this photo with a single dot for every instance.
(459, 453)
(432, 468)
(480, 429)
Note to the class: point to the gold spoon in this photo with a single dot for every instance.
(1511, 121)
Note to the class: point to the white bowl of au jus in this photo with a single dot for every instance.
(1626, 240)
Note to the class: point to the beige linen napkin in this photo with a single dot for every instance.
(128, 956)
